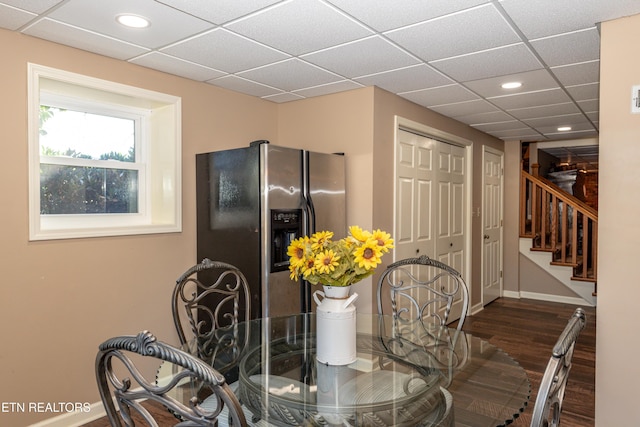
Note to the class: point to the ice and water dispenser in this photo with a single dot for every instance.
(286, 226)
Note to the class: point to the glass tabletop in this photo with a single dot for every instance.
(408, 374)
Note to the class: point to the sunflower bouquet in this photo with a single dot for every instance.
(319, 259)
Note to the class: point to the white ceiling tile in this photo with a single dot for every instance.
(219, 11)
(290, 74)
(225, 51)
(167, 24)
(440, 95)
(541, 18)
(35, 6)
(172, 65)
(531, 99)
(544, 111)
(431, 40)
(355, 59)
(531, 81)
(385, 15)
(577, 74)
(525, 134)
(303, 26)
(498, 127)
(584, 92)
(12, 18)
(327, 89)
(571, 48)
(590, 105)
(489, 63)
(248, 87)
(568, 119)
(491, 117)
(406, 79)
(461, 109)
(283, 97)
(86, 40)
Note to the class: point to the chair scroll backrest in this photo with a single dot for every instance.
(123, 383)
(548, 406)
(208, 302)
(422, 288)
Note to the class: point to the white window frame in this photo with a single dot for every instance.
(158, 154)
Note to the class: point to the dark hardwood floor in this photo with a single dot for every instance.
(527, 330)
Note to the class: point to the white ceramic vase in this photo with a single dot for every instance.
(336, 325)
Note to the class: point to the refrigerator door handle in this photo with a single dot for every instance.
(310, 214)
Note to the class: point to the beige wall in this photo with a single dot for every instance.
(60, 299)
(618, 346)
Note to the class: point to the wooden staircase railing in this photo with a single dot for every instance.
(559, 223)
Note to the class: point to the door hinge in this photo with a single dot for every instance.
(501, 274)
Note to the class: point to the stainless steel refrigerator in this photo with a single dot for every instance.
(252, 202)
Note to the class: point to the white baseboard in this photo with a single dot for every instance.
(74, 419)
(511, 294)
(553, 298)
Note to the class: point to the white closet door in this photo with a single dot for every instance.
(431, 201)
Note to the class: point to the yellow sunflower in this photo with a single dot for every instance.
(308, 268)
(296, 252)
(368, 255)
(359, 234)
(320, 239)
(326, 262)
(385, 242)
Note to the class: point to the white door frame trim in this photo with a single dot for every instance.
(402, 123)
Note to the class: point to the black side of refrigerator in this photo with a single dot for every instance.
(228, 213)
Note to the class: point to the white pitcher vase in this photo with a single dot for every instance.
(335, 325)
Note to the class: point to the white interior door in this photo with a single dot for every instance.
(431, 208)
(414, 194)
(492, 225)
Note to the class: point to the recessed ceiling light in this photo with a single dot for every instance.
(511, 85)
(133, 21)
(564, 128)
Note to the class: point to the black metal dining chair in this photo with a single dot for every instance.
(208, 302)
(120, 381)
(422, 289)
(548, 406)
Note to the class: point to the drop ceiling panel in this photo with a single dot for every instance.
(531, 99)
(303, 26)
(225, 51)
(570, 48)
(172, 65)
(218, 11)
(541, 18)
(440, 95)
(584, 92)
(491, 117)
(430, 40)
(577, 74)
(86, 40)
(490, 63)
(12, 18)
(461, 109)
(545, 111)
(35, 6)
(355, 59)
(290, 75)
(328, 88)
(248, 87)
(167, 24)
(406, 79)
(388, 15)
(532, 81)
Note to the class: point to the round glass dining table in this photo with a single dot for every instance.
(405, 374)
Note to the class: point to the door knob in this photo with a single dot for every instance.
(486, 237)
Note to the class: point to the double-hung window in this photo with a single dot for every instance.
(104, 158)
